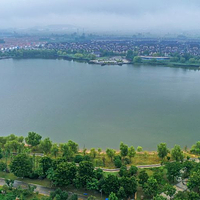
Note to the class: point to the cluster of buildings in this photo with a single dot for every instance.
(98, 47)
(12, 43)
(143, 47)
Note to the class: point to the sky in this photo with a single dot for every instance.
(103, 15)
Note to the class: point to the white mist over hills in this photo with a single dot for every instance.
(103, 16)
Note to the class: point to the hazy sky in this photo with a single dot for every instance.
(109, 15)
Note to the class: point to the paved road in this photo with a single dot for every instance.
(42, 190)
(139, 166)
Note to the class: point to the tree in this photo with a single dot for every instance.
(99, 151)
(194, 181)
(110, 153)
(21, 165)
(9, 183)
(182, 60)
(151, 187)
(196, 148)
(85, 172)
(169, 190)
(143, 177)
(137, 59)
(54, 150)
(33, 139)
(118, 163)
(13, 145)
(139, 149)
(162, 150)
(129, 185)
(92, 184)
(93, 153)
(111, 184)
(173, 170)
(131, 152)
(123, 149)
(58, 194)
(112, 196)
(192, 60)
(159, 197)
(177, 153)
(1, 154)
(185, 195)
(123, 171)
(64, 174)
(98, 173)
(121, 193)
(73, 146)
(129, 55)
(45, 163)
(67, 151)
(46, 145)
(133, 170)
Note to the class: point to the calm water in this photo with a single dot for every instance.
(100, 106)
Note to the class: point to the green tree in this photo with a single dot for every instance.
(151, 187)
(33, 139)
(196, 148)
(58, 194)
(186, 195)
(64, 174)
(123, 149)
(112, 196)
(139, 149)
(129, 55)
(123, 171)
(98, 173)
(111, 184)
(73, 146)
(46, 145)
(133, 170)
(194, 181)
(177, 153)
(67, 151)
(54, 150)
(45, 163)
(137, 59)
(192, 60)
(85, 172)
(173, 170)
(159, 197)
(92, 184)
(121, 193)
(182, 60)
(13, 145)
(162, 150)
(129, 185)
(143, 177)
(93, 153)
(21, 165)
(99, 151)
(131, 152)
(110, 153)
(169, 190)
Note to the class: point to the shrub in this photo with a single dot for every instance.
(78, 158)
(3, 166)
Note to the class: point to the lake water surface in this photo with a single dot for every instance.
(99, 106)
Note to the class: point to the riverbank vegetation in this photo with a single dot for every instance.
(106, 57)
(36, 160)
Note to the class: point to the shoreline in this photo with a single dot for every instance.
(104, 63)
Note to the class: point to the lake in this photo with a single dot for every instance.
(100, 106)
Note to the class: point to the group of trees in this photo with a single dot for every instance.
(57, 163)
(8, 192)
